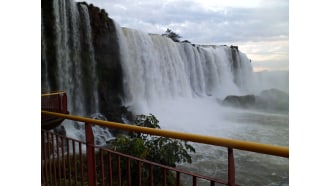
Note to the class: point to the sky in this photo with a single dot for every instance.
(260, 28)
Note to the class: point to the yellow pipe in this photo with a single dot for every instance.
(236, 144)
(53, 93)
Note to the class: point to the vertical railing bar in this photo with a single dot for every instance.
(102, 167)
(178, 178)
(212, 183)
(49, 159)
(53, 158)
(119, 169)
(110, 168)
(151, 175)
(59, 102)
(74, 161)
(42, 159)
(139, 173)
(94, 168)
(45, 159)
(81, 164)
(58, 159)
(164, 176)
(63, 159)
(66, 102)
(91, 168)
(129, 172)
(231, 167)
(194, 181)
(69, 162)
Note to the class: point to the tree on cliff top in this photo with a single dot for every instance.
(174, 36)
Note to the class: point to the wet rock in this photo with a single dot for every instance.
(240, 101)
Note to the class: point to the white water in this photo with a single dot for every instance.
(182, 86)
(156, 68)
(66, 17)
(44, 64)
(71, 25)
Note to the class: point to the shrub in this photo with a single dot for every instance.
(161, 150)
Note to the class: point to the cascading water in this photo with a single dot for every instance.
(73, 40)
(69, 48)
(92, 66)
(182, 86)
(156, 68)
(44, 65)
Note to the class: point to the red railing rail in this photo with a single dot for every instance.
(101, 166)
(54, 102)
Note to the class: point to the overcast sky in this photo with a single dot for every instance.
(259, 27)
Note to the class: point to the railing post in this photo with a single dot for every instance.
(90, 154)
(231, 167)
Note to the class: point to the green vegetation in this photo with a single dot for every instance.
(162, 150)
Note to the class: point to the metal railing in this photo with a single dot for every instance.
(55, 101)
(63, 158)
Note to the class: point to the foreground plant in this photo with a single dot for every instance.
(162, 150)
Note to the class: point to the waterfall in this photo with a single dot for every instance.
(156, 68)
(92, 65)
(44, 65)
(72, 40)
(68, 47)
(73, 64)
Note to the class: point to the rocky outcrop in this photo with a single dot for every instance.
(109, 72)
(272, 100)
(240, 101)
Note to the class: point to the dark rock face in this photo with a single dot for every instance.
(48, 56)
(240, 101)
(108, 68)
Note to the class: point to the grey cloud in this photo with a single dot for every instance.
(194, 23)
(271, 64)
(267, 22)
